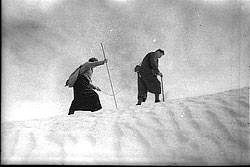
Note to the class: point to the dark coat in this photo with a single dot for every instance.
(147, 78)
(149, 64)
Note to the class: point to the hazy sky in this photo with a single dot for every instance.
(206, 44)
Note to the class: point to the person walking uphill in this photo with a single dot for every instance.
(147, 76)
(85, 98)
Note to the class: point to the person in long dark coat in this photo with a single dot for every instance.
(147, 77)
(85, 98)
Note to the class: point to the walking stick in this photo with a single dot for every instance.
(162, 89)
(109, 76)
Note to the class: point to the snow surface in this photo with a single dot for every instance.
(205, 130)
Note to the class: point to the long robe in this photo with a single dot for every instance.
(85, 98)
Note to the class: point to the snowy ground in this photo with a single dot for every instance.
(205, 130)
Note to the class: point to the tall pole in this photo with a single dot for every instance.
(109, 76)
(162, 89)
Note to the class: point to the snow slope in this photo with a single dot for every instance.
(206, 130)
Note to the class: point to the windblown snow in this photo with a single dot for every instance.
(205, 130)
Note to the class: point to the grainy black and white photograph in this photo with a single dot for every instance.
(125, 82)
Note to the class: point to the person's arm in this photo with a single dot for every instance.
(88, 65)
(94, 64)
(91, 86)
(154, 64)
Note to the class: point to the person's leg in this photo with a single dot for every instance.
(157, 98)
(142, 91)
(139, 101)
(153, 85)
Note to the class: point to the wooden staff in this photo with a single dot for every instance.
(162, 89)
(109, 76)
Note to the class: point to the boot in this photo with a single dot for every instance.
(157, 100)
(140, 100)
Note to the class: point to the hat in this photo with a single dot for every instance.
(160, 50)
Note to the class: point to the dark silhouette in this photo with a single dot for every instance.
(147, 76)
(85, 98)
